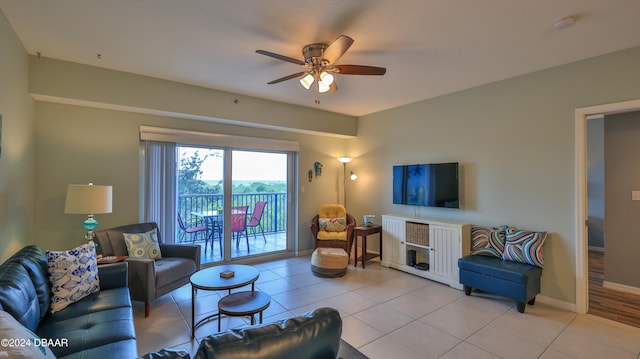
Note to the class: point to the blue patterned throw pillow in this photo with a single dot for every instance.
(488, 241)
(524, 247)
(143, 245)
(73, 275)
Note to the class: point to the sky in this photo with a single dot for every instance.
(247, 165)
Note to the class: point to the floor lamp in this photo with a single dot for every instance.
(352, 176)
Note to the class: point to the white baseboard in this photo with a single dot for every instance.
(621, 287)
(556, 303)
(596, 249)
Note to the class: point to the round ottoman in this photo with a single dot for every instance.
(329, 262)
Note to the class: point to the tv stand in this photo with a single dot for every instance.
(424, 247)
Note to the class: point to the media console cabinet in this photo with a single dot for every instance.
(424, 247)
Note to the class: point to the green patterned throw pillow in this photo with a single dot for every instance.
(143, 245)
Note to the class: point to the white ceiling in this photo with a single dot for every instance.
(429, 47)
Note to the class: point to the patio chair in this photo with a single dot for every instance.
(239, 224)
(212, 220)
(192, 230)
(256, 218)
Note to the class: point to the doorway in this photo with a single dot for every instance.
(611, 141)
(582, 115)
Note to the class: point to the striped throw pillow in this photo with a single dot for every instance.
(525, 247)
(488, 241)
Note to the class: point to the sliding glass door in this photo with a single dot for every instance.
(233, 203)
(200, 202)
(259, 193)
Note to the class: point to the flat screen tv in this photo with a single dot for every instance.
(432, 185)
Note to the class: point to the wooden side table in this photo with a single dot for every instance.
(364, 231)
(111, 259)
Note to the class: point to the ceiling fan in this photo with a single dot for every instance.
(319, 62)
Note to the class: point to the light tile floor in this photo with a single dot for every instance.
(390, 314)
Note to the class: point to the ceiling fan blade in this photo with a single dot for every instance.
(281, 57)
(286, 78)
(337, 48)
(360, 70)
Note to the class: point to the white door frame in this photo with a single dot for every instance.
(582, 115)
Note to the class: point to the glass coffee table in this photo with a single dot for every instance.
(210, 279)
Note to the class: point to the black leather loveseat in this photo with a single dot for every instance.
(99, 325)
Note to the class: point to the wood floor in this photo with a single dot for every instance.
(607, 303)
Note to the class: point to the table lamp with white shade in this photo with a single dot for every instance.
(88, 199)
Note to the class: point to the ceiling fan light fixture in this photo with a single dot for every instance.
(306, 81)
(326, 78)
(322, 88)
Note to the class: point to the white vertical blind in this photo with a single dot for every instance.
(160, 188)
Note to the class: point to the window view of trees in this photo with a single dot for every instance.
(190, 179)
(190, 176)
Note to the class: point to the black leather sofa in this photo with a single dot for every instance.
(102, 325)
(313, 335)
(99, 325)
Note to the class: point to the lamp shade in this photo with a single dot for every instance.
(88, 199)
(326, 78)
(307, 81)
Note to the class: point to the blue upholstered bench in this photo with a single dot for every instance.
(518, 281)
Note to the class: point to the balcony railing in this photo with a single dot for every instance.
(274, 218)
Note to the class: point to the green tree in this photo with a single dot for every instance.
(189, 176)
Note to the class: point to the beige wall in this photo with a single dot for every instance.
(79, 145)
(55, 80)
(515, 142)
(87, 130)
(16, 161)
